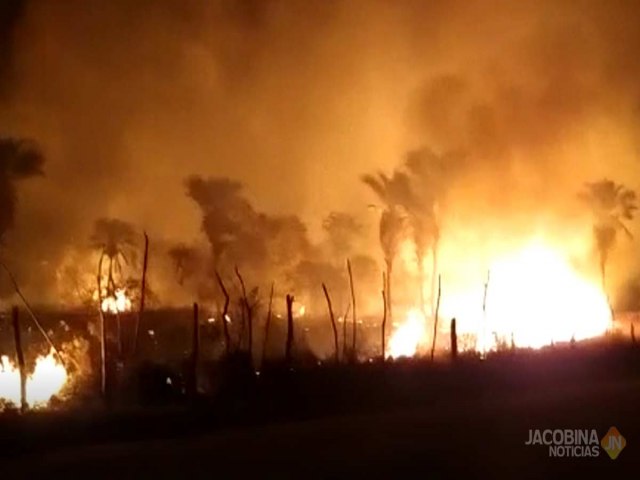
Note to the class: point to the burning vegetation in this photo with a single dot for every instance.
(462, 224)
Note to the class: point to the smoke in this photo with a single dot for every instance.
(297, 99)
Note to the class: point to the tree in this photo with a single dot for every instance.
(611, 204)
(391, 192)
(341, 230)
(185, 260)
(227, 216)
(19, 159)
(115, 240)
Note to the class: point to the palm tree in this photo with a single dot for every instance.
(431, 176)
(19, 159)
(114, 239)
(611, 205)
(390, 191)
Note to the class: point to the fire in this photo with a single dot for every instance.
(48, 378)
(534, 297)
(117, 303)
(406, 338)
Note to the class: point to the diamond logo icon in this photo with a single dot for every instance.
(613, 443)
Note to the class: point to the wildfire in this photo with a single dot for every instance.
(117, 303)
(48, 378)
(534, 297)
(406, 338)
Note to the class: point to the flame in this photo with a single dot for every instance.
(535, 297)
(406, 338)
(117, 303)
(48, 378)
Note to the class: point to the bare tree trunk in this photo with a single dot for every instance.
(103, 334)
(344, 331)
(248, 309)
(195, 353)
(389, 265)
(289, 345)
(484, 310)
(434, 271)
(143, 289)
(454, 339)
(266, 327)
(384, 316)
(20, 355)
(227, 338)
(355, 319)
(333, 322)
(435, 321)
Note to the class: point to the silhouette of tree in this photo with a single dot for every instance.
(19, 159)
(227, 215)
(185, 260)
(611, 205)
(115, 240)
(430, 177)
(392, 192)
(341, 230)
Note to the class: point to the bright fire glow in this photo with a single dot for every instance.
(406, 338)
(48, 378)
(534, 297)
(117, 303)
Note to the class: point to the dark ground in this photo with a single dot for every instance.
(465, 427)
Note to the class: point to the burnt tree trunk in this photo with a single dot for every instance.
(195, 353)
(389, 269)
(344, 331)
(454, 339)
(289, 344)
(225, 327)
(23, 374)
(353, 313)
(435, 320)
(266, 327)
(383, 334)
(333, 322)
(143, 289)
(247, 308)
(103, 334)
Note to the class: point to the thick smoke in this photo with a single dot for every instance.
(297, 99)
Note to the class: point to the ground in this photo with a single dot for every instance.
(479, 437)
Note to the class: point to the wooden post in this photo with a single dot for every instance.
(289, 345)
(435, 321)
(333, 322)
(266, 327)
(454, 339)
(143, 289)
(353, 302)
(195, 352)
(227, 338)
(633, 334)
(383, 334)
(20, 355)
